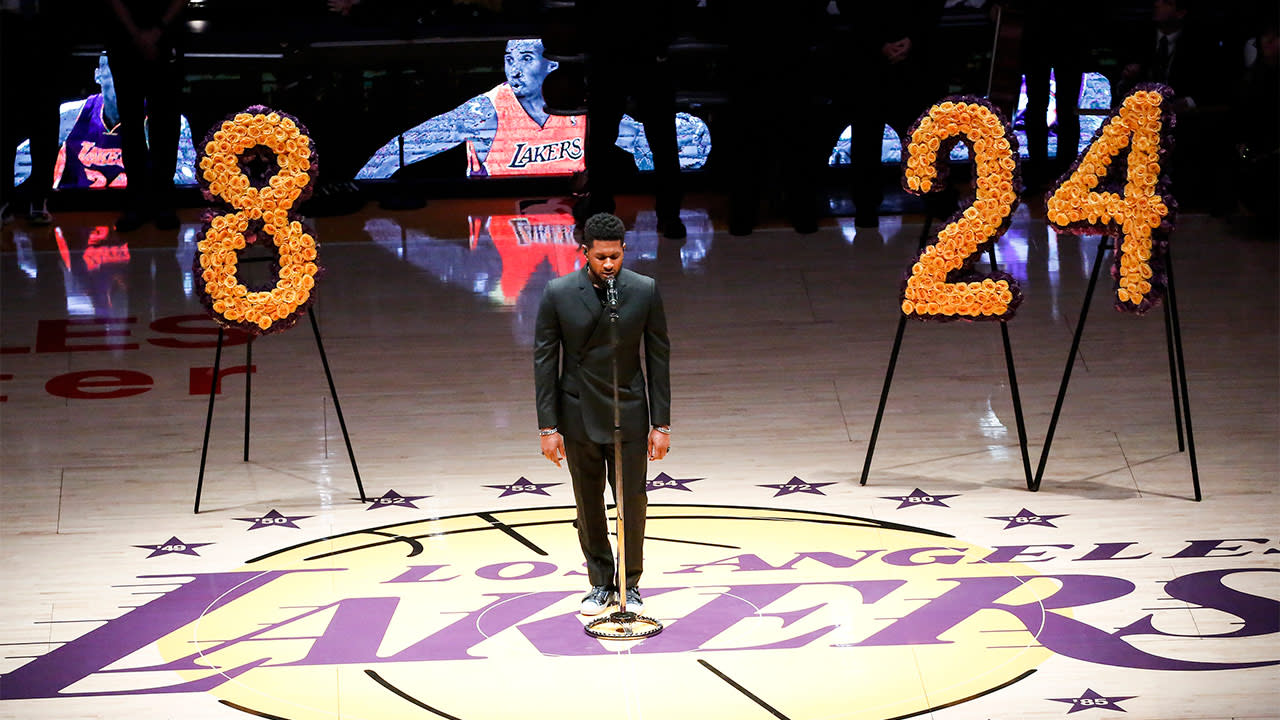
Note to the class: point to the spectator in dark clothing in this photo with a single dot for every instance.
(894, 78)
(627, 42)
(1177, 51)
(1256, 118)
(1054, 39)
(1182, 49)
(773, 139)
(143, 43)
(34, 48)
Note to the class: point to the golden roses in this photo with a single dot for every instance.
(927, 293)
(227, 233)
(1139, 210)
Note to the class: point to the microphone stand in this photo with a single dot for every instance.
(611, 295)
(620, 625)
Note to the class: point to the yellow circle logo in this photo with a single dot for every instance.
(802, 614)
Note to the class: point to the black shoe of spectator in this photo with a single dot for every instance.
(805, 225)
(129, 221)
(333, 199)
(742, 215)
(167, 220)
(672, 228)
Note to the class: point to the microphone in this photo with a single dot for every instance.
(611, 293)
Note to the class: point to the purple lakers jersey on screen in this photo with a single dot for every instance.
(90, 157)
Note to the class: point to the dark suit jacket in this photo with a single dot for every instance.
(571, 359)
(1195, 70)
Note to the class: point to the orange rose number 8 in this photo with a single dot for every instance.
(257, 209)
(941, 284)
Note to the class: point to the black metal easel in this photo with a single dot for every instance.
(1008, 359)
(213, 394)
(1177, 369)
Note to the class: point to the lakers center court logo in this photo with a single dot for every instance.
(768, 612)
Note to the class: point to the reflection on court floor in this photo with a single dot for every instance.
(941, 589)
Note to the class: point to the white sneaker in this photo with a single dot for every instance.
(634, 603)
(598, 600)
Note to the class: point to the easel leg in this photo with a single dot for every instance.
(248, 391)
(893, 362)
(884, 397)
(1071, 361)
(208, 420)
(1014, 395)
(1173, 370)
(1182, 376)
(1017, 407)
(333, 391)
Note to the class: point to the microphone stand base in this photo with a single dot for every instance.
(623, 625)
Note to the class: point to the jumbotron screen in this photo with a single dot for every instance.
(508, 132)
(89, 153)
(505, 129)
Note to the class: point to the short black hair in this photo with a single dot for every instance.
(602, 226)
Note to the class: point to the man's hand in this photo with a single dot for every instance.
(896, 52)
(553, 447)
(659, 444)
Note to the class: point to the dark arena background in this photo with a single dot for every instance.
(1056, 495)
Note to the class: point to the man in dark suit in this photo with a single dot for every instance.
(573, 374)
(893, 62)
(1182, 47)
(1178, 48)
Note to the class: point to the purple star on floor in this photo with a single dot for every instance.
(919, 497)
(666, 482)
(1091, 700)
(523, 486)
(173, 546)
(391, 498)
(1026, 517)
(796, 485)
(274, 519)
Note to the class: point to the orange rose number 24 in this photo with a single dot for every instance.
(1108, 191)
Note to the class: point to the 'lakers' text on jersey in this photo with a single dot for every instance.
(523, 147)
(527, 154)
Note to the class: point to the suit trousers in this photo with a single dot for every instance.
(148, 93)
(588, 462)
(611, 82)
